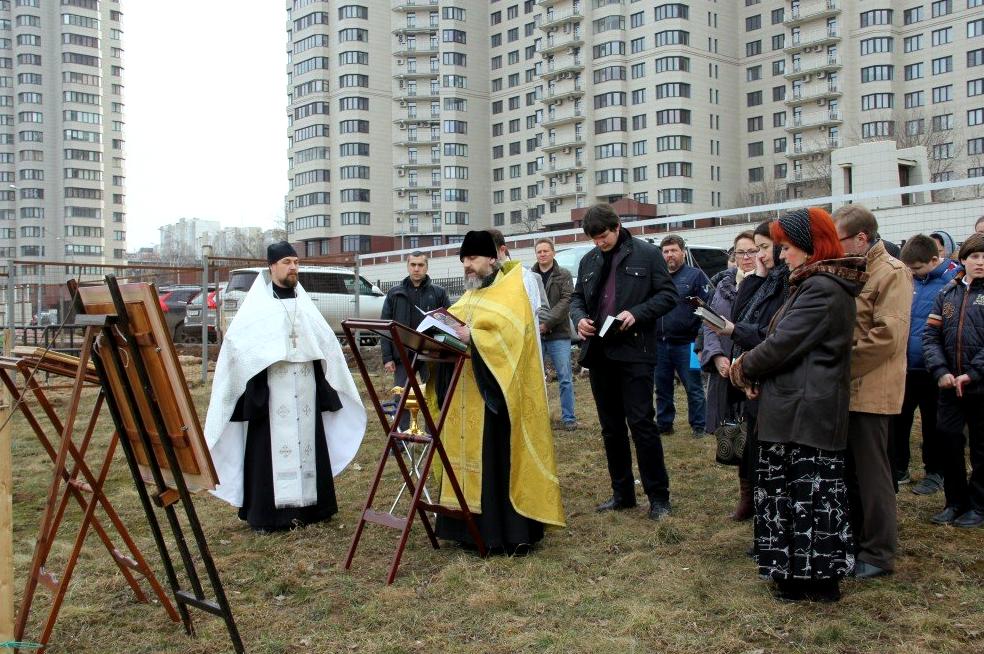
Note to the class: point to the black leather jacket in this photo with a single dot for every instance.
(642, 286)
(401, 305)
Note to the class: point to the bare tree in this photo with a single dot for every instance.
(943, 143)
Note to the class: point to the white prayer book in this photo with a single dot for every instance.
(709, 316)
(610, 323)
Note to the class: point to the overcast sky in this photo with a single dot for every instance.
(206, 126)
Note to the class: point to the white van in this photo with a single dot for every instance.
(330, 289)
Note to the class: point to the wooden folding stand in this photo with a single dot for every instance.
(411, 346)
(87, 491)
(160, 432)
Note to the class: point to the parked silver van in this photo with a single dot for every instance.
(330, 288)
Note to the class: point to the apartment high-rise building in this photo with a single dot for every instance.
(62, 195)
(416, 120)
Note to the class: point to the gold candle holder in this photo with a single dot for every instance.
(413, 404)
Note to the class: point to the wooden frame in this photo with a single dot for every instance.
(172, 401)
(80, 483)
(147, 396)
(411, 346)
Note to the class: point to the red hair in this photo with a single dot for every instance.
(823, 233)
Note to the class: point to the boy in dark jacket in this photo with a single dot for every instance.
(953, 346)
(929, 275)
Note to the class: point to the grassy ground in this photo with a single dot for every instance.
(606, 583)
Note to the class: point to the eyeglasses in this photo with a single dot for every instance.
(740, 254)
(848, 238)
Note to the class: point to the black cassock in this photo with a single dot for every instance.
(502, 528)
(258, 507)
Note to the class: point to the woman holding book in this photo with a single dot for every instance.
(801, 375)
(758, 298)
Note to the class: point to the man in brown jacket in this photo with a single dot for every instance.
(878, 362)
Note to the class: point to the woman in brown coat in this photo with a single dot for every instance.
(801, 375)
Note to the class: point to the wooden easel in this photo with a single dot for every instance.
(411, 346)
(87, 491)
(123, 362)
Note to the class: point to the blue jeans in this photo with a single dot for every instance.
(674, 358)
(559, 352)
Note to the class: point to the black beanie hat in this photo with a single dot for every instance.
(477, 243)
(796, 224)
(277, 251)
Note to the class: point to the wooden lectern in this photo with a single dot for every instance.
(411, 346)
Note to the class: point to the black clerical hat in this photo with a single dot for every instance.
(477, 243)
(277, 251)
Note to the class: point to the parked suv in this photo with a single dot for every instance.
(330, 289)
(193, 316)
(174, 302)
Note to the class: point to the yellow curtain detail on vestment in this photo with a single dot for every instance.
(504, 332)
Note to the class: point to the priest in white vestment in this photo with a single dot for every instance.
(285, 415)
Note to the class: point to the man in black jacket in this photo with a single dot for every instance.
(402, 301)
(625, 278)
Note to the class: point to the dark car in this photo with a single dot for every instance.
(193, 316)
(174, 304)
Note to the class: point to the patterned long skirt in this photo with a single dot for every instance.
(802, 529)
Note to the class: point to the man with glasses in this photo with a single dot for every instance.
(878, 363)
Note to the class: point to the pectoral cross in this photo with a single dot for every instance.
(293, 338)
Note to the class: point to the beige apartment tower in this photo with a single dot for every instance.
(62, 195)
(414, 121)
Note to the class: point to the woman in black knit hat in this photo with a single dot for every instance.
(800, 375)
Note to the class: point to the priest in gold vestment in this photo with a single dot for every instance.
(497, 433)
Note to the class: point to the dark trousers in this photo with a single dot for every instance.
(921, 392)
(871, 489)
(623, 393)
(954, 413)
(674, 358)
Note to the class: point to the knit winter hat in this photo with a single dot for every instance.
(796, 224)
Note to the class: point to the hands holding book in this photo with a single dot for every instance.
(727, 330)
(587, 328)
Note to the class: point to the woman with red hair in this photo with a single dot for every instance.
(801, 376)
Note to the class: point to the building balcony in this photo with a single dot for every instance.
(413, 95)
(425, 138)
(413, 49)
(554, 119)
(575, 165)
(822, 9)
(558, 42)
(427, 227)
(819, 119)
(417, 118)
(414, 5)
(408, 30)
(804, 96)
(418, 162)
(556, 191)
(803, 41)
(555, 94)
(417, 208)
(426, 73)
(805, 175)
(555, 68)
(547, 3)
(553, 19)
(825, 63)
(809, 148)
(555, 143)
(406, 185)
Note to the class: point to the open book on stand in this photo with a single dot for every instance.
(441, 325)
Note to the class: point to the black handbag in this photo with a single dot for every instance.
(731, 436)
